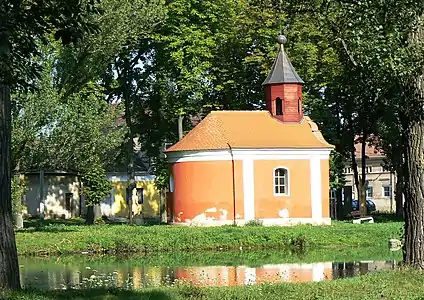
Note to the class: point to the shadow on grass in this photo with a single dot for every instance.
(147, 224)
(380, 217)
(70, 225)
(92, 294)
(33, 223)
(47, 227)
(68, 222)
(44, 229)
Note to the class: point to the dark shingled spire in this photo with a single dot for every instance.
(282, 70)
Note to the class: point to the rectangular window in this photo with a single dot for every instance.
(68, 201)
(140, 195)
(387, 191)
(370, 192)
(280, 181)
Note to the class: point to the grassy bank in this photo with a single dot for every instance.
(70, 239)
(402, 284)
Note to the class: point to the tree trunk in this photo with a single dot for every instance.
(363, 193)
(399, 194)
(163, 214)
(413, 251)
(131, 177)
(361, 198)
(9, 269)
(180, 127)
(358, 181)
(130, 145)
(340, 215)
(414, 197)
(93, 213)
(89, 219)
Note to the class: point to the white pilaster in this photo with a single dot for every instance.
(318, 272)
(249, 276)
(316, 188)
(249, 189)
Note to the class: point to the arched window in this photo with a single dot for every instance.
(278, 107)
(281, 181)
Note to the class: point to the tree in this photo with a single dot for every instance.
(22, 25)
(337, 180)
(391, 133)
(215, 55)
(383, 40)
(96, 187)
(414, 151)
(51, 131)
(18, 187)
(112, 58)
(386, 39)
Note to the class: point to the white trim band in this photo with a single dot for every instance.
(124, 178)
(241, 154)
(264, 222)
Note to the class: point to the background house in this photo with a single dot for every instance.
(55, 194)
(380, 182)
(145, 197)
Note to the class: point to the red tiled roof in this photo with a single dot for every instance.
(370, 149)
(250, 130)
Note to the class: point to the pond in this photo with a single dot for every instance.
(208, 269)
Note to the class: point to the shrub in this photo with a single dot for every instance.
(254, 223)
(18, 191)
(99, 221)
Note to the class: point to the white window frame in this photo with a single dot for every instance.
(287, 182)
(390, 190)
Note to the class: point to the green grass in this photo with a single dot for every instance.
(400, 284)
(71, 239)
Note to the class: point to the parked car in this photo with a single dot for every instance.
(369, 203)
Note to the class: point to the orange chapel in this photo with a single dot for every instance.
(268, 166)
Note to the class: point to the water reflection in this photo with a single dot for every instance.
(65, 276)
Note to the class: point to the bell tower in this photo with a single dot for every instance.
(283, 88)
